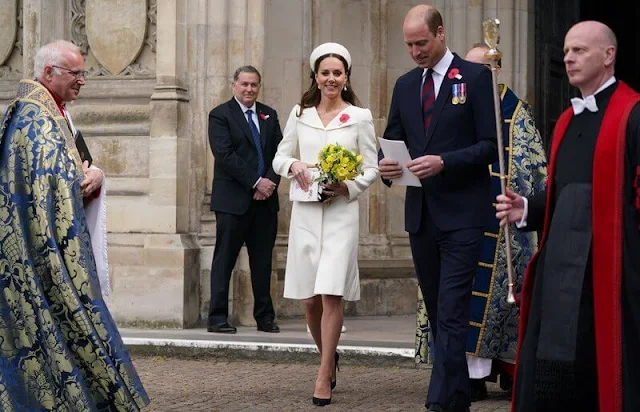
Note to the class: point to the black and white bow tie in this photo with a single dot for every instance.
(588, 103)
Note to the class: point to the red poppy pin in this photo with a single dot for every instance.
(454, 74)
(264, 116)
(344, 117)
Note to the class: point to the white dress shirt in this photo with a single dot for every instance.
(254, 115)
(439, 71)
(589, 102)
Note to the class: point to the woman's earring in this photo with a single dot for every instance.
(345, 88)
(319, 88)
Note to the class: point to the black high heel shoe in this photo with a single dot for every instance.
(336, 368)
(321, 401)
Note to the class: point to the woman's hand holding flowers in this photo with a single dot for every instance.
(335, 190)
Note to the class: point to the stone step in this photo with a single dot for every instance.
(378, 340)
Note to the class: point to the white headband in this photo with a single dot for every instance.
(329, 48)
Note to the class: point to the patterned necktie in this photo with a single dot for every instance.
(428, 96)
(256, 140)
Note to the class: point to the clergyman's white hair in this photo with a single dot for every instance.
(51, 55)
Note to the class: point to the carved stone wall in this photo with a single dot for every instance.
(118, 39)
(10, 39)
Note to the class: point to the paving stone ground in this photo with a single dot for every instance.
(252, 385)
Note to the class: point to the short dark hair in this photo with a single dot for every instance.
(246, 69)
(433, 20)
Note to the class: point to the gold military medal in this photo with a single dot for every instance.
(455, 89)
(462, 93)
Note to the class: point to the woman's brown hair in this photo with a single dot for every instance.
(311, 98)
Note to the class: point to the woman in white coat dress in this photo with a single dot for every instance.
(322, 261)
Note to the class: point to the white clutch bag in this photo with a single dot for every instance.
(296, 194)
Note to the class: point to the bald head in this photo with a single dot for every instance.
(589, 55)
(597, 32)
(477, 55)
(419, 12)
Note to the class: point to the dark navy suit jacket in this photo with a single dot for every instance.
(464, 135)
(236, 156)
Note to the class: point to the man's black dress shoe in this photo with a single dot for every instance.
(477, 390)
(269, 326)
(436, 407)
(506, 382)
(222, 328)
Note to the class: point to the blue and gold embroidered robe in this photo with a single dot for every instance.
(60, 349)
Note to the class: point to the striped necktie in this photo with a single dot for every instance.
(428, 96)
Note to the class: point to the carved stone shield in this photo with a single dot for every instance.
(116, 31)
(8, 28)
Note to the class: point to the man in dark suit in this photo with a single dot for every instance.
(244, 135)
(443, 111)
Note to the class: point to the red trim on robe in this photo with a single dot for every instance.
(508, 368)
(59, 102)
(607, 218)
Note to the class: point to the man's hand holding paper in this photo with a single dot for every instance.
(390, 169)
(394, 166)
(426, 166)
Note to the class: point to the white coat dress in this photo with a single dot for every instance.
(322, 258)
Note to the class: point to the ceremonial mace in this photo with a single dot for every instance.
(491, 39)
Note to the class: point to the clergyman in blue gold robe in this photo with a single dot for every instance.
(493, 328)
(59, 346)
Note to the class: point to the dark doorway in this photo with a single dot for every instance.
(552, 20)
(623, 21)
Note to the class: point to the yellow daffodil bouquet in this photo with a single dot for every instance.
(337, 164)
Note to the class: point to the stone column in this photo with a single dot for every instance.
(43, 22)
(255, 33)
(31, 17)
(170, 248)
(378, 106)
(236, 36)
(216, 65)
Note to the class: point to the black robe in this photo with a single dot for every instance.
(576, 388)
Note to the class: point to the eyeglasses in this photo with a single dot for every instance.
(77, 73)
